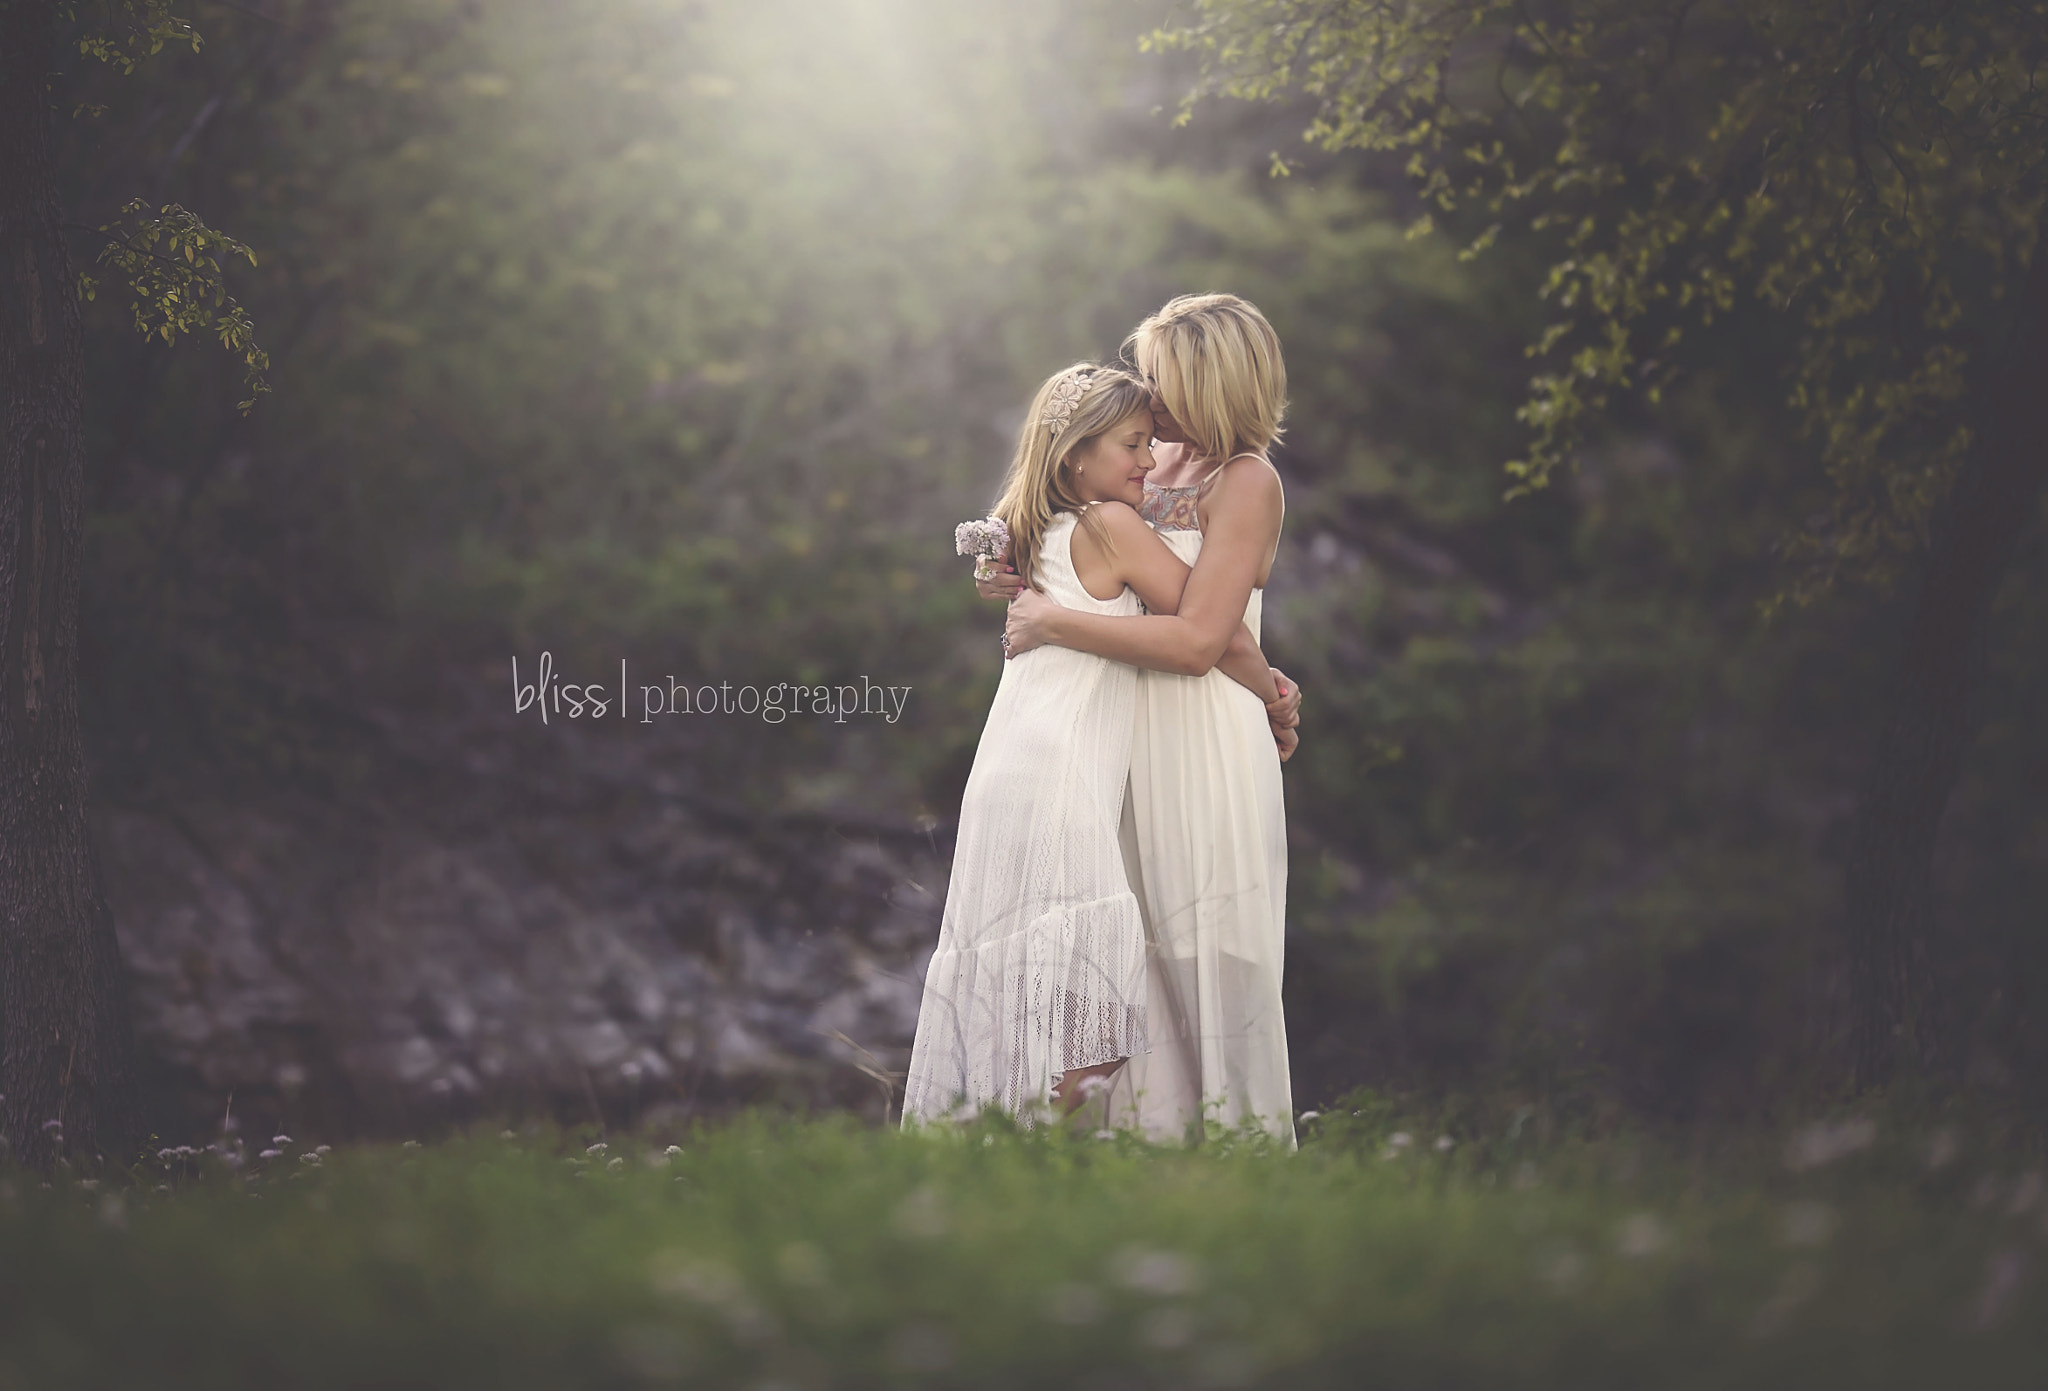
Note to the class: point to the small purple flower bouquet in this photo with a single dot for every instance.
(987, 540)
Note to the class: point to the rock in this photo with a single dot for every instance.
(335, 973)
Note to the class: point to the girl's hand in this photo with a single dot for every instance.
(1002, 584)
(1287, 739)
(1284, 713)
(1030, 613)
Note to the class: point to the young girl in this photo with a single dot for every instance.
(1038, 982)
(1210, 830)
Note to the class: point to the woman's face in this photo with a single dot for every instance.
(1112, 466)
(1165, 428)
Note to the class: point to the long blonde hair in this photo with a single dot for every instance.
(1217, 366)
(1037, 488)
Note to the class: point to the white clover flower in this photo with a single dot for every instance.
(1942, 1148)
(1824, 1142)
(1560, 1267)
(922, 1214)
(1641, 1235)
(802, 1264)
(716, 1286)
(1160, 1273)
(1167, 1328)
(1074, 1305)
(1801, 1280)
(921, 1346)
(2001, 1282)
(1809, 1223)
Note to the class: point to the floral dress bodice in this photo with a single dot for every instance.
(1171, 509)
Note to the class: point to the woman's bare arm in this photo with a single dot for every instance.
(1244, 525)
(1159, 577)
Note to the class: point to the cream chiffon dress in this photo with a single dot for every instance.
(1205, 840)
(1040, 965)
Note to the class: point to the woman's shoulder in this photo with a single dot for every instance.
(1249, 474)
(1247, 490)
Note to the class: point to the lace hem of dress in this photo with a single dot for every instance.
(1008, 1015)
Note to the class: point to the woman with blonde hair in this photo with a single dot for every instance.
(1206, 827)
(1038, 980)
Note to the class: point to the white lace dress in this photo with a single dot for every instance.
(1206, 835)
(1040, 965)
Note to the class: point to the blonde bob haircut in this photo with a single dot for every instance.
(1039, 485)
(1216, 364)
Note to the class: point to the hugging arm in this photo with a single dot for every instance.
(1166, 598)
(1159, 577)
(1245, 516)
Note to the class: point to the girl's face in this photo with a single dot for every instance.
(1112, 466)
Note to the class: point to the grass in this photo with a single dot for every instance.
(778, 1252)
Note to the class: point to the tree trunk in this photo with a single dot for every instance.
(66, 1060)
(1920, 746)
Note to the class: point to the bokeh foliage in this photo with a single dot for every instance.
(1873, 173)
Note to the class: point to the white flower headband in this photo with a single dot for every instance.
(1066, 395)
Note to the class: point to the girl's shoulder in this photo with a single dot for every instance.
(1116, 517)
(1109, 507)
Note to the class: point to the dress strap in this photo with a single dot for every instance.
(1210, 477)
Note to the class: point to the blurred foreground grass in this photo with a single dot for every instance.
(810, 1253)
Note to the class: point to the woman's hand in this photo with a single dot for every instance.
(1031, 615)
(1002, 584)
(1284, 713)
